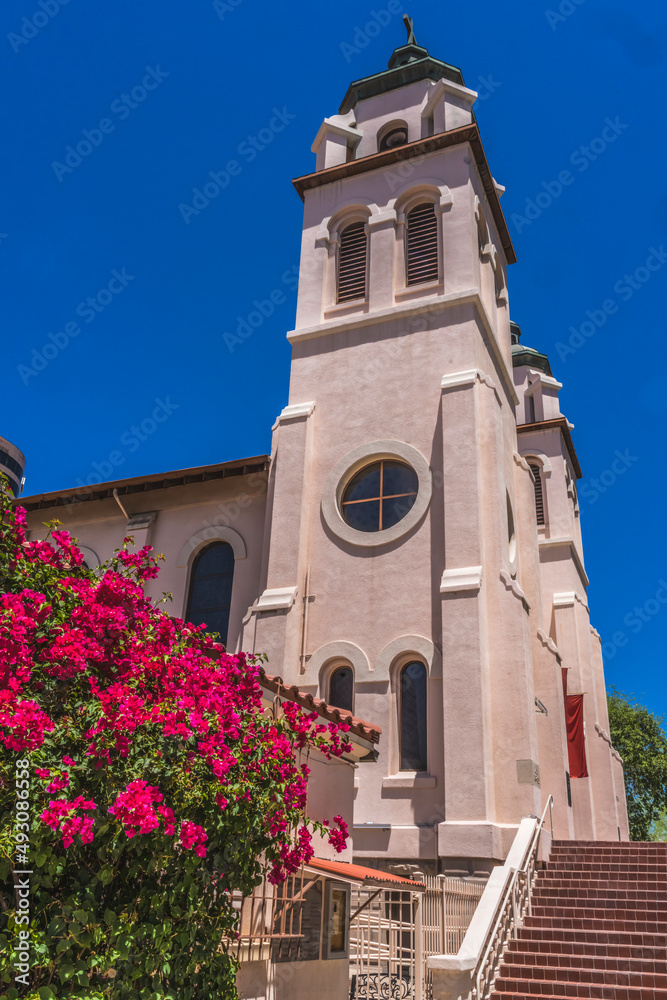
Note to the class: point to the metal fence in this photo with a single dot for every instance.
(392, 932)
(271, 921)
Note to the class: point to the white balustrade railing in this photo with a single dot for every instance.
(505, 902)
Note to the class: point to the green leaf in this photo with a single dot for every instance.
(109, 917)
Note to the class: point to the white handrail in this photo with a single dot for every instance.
(505, 900)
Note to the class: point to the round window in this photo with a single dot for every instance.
(397, 137)
(379, 495)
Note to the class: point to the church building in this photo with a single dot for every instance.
(410, 552)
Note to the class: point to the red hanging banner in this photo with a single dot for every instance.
(576, 744)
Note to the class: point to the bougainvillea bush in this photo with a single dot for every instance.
(155, 783)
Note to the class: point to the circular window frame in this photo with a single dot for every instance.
(348, 467)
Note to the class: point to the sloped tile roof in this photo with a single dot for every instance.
(366, 730)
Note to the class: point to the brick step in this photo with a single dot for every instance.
(595, 880)
(607, 856)
(625, 845)
(659, 861)
(624, 867)
(593, 912)
(597, 923)
(585, 974)
(545, 937)
(590, 886)
(603, 991)
(654, 899)
(630, 963)
(615, 850)
(572, 870)
(559, 881)
(574, 949)
(581, 860)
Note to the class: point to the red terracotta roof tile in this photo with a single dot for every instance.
(367, 730)
(359, 873)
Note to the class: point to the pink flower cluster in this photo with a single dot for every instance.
(193, 835)
(135, 810)
(140, 678)
(58, 816)
(338, 838)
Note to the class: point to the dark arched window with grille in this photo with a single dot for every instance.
(413, 717)
(352, 262)
(422, 244)
(341, 688)
(210, 594)
(539, 496)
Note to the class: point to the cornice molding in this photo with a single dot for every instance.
(434, 303)
(556, 423)
(421, 147)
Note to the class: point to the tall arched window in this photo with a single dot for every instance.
(413, 717)
(422, 244)
(341, 688)
(539, 496)
(352, 262)
(210, 594)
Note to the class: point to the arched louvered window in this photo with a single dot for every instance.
(210, 594)
(413, 717)
(422, 244)
(352, 262)
(341, 688)
(539, 496)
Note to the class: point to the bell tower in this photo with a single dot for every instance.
(400, 579)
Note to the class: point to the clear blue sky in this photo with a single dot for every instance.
(209, 77)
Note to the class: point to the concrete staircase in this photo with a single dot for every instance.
(598, 926)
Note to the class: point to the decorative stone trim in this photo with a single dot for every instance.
(454, 380)
(341, 650)
(216, 533)
(381, 219)
(521, 462)
(278, 599)
(512, 585)
(458, 580)
(407, 779)
(541, 458)
(355, 460)
(548, 643)
(404, 647)
(595, 632)
(567, 599)
(295, 411)
(607, 738)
